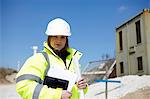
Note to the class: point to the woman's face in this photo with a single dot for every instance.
(58, 42)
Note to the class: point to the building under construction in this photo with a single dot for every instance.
(133, 45)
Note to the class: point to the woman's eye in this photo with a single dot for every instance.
(63, 37)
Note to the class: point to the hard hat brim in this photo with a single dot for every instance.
(54, 34)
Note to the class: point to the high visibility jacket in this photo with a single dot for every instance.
(30, 77)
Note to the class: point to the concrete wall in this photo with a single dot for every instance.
(146, 19)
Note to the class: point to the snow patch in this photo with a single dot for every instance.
(129, 84)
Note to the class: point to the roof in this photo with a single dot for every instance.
(134, 17)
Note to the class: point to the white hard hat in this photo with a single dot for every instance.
(58, 26)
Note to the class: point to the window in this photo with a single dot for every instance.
(120, 40)
(140, 63)
(138, 32)
(121, 67)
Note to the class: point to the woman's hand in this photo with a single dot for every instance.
(66, 94)
(82, 84)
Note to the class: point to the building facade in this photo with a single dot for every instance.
(133, 45)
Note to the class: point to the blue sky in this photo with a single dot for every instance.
(93, 22)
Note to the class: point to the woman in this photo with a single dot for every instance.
(30, 79)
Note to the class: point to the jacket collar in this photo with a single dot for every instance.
(70, 50)
(48, 49)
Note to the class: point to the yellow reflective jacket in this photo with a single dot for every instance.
(30, 77)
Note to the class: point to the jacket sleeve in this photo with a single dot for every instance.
(79, 55)
(85, 90)
(29, 80)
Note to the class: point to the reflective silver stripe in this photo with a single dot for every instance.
(29, 77)
(47, 59)
(37, 91)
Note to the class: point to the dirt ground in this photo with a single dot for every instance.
(143, 93)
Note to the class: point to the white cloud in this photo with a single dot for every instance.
(122, 8)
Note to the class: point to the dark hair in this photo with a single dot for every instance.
(62, 50)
